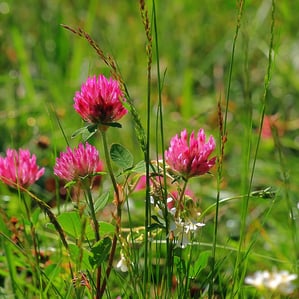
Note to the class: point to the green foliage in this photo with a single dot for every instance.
(200, 264)
(87, 132)
(121, 156)
(81, 255)
(71, 224)
(100, 252)
(101, 201)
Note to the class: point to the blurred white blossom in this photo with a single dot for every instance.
(122, 264)
(280, 282)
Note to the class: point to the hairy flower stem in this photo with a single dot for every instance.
(118, 203)
(96, 233)
(92, 213)
(108, 163)
(181, 199)
(110, 261)
(33, 235)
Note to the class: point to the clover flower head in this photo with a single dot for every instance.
(78, 163)
(280, 282)
(191, 157)
(19, 168)
(100, 101)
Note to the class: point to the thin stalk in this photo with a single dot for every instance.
(286, 187)
(236, 278)
(36, 274)
(109, 165)
(111, 256)
(46, 209)
(180, 207)
(181, 199)
(239, 18)
(32, 230)
(96, 233)
(118, 203)
(133, 253)
(222, 140)
(146, 23)
(187, 283)
(10, 257)
(92, 213)
(245, 171)
(169, 264)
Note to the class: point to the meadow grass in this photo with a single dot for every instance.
(228, 67)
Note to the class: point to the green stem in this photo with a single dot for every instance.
(33, 237)
(223, 133)
(118, 203)
(96, 233)
(109, 166)
(169, 243)
(181, 199)
(147, 258)
(45, 208)
(112, 252)
(93, 214)
(189, 259)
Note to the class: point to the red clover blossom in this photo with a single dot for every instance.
(79, 162)
(191, 157)
(100, 101)
(19, 168)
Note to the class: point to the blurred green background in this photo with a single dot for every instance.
(42, 65)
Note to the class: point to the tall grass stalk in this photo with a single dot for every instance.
(241, 259)
(286, 193)
(147, 211)
(222, 140)
(160, 140)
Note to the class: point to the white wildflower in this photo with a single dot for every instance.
(122, 264)
(280, 282)
(183, 229)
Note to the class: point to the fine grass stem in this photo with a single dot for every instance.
(163, 187)
(286, 192)
(222, 140)
(96, 232)
(239, 272)
(147, 212)
(118, 202)
(169, 245)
